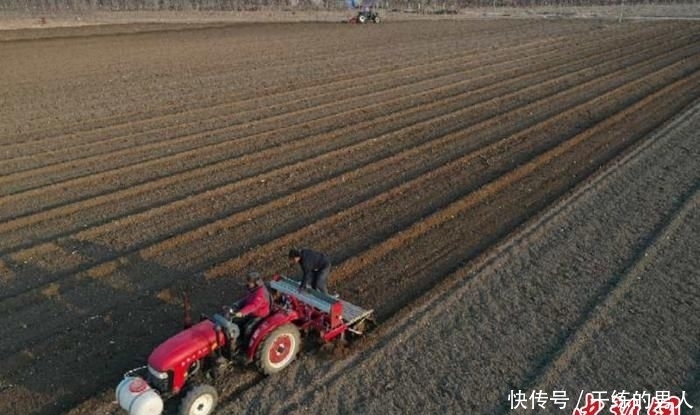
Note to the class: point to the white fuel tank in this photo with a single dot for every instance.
(137, 397)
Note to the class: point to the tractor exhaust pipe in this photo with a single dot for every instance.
(187, 319)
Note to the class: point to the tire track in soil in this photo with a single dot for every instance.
(593, 335)
(450, 144)
(624, 300)
(498, 288)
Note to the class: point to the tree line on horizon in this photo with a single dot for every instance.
(245, 5)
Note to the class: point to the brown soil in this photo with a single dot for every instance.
(470, 179)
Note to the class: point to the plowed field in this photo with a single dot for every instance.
(492, 189)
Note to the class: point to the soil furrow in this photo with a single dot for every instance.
(449, 171)
(514, 35)
(253, 108)
(404, 198)
(532, 282)
(453, 146)
(353, 265)
(168, 146)
(254, 117)
(227, 165)
(623, 299)
(563, 163)
(350, 79)
(411, 52)
(559, 171)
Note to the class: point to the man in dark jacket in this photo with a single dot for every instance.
(315, 266)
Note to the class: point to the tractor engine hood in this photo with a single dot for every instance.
(179, 352)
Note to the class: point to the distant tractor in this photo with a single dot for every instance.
(367, 16)
(366, 12)
(182, 365)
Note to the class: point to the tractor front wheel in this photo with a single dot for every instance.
(279, 349)
(200, 400)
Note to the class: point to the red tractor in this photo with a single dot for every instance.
(180, 366)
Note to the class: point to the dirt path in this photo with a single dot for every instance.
(136, 165)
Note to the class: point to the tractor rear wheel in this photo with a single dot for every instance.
(362, 18)
(279, 349)
(200, 400)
